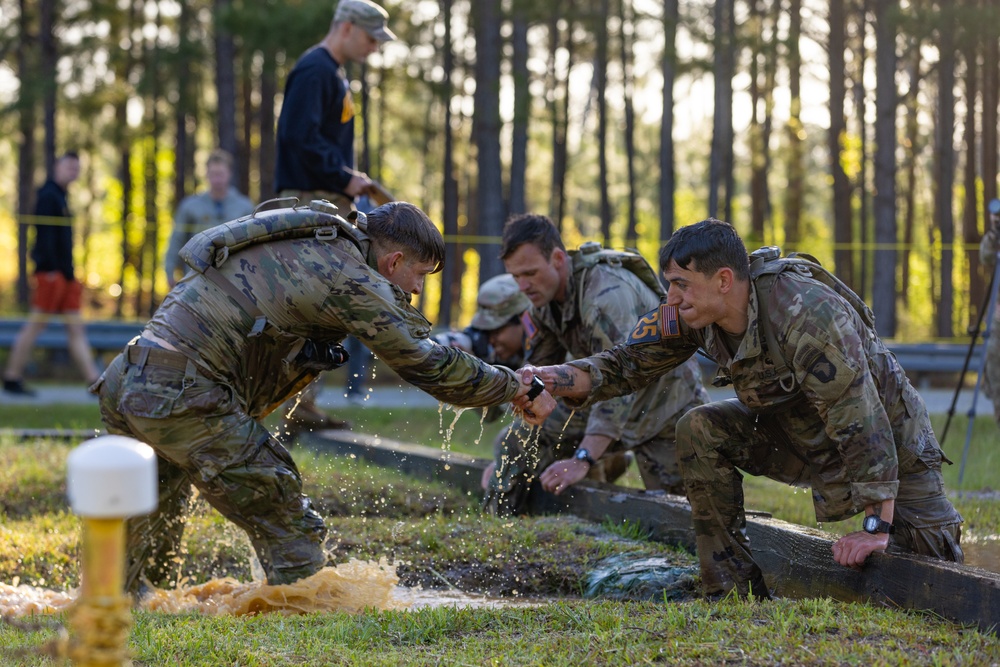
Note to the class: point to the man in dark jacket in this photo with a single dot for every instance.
(57, 291)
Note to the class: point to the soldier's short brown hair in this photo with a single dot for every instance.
(402, 226)
(712, 244)
(220, 156)
(532, 228)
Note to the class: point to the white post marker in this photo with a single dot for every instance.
(108, 479)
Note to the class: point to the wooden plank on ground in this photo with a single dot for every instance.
(796, 560)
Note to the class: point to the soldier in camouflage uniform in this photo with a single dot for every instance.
(829, 408)
(988, 249)
(585, 302)
(500, 321)
(260, 316)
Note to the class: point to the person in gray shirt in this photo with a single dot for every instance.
(196, 213)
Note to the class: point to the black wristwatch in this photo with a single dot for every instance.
(537, 387)
(584, 455)
(873, 525)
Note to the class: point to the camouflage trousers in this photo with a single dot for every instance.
(715, 439)
(203, 439)
(522, 453)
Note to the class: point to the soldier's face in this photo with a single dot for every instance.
(541, 278)
(507, 341)
(699, 298)
(409, 274)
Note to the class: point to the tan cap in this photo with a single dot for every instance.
(365, 14)
(499, 300)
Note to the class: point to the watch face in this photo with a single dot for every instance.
(582, 454)
(873, 524)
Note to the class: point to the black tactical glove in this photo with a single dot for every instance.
(321, 356)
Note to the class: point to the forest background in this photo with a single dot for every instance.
(861, 131)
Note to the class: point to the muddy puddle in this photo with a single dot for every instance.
(982, 552)
(350, 587)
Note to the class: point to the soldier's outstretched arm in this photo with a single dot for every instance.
(562, 380)
(368, 307)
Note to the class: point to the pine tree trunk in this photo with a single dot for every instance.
(452, 275)
(841, 204)
(225, 86)
(721, 160)
(486, 17)
(970, 208)
(517, 201)
(668, 65)
(796, 132)
(268, 91)
(884, 277)
(27, 118)
(627, 44)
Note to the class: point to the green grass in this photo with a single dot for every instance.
(570, 633)
(437, 539)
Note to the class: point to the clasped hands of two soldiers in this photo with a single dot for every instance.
(533, 411)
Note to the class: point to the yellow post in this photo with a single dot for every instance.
(109, 478)
(100, 619)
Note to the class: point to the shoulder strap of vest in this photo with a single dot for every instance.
(765, 265)
(209, 249)
(767, 261)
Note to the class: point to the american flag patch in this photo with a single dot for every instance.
(669, 325)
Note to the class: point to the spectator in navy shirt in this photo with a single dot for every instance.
(315, 143)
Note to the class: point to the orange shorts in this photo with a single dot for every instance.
(55, 294)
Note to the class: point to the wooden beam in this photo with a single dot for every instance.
(796, 560)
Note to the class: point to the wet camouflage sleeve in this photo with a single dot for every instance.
(628, 368)
(825, 344)
(379, 315)
(322, 291)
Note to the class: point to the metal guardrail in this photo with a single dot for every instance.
(104, 336)
(915, 358)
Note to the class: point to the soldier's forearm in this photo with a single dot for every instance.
(563, 380)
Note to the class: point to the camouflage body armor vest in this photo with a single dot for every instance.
(765, 265)
(210, 249)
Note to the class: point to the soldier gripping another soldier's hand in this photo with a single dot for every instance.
(584, 302)
(262, 313)
(821, 402)
(497, 334)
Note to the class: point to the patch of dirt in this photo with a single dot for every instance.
(508, 579)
